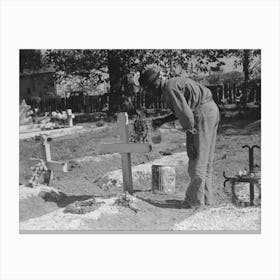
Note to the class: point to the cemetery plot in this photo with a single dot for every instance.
(86, 177)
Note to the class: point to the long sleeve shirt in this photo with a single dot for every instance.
(183, 95)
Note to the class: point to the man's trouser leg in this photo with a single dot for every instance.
(200, 165)
(209, 190)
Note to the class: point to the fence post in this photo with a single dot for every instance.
(230, 93)
(99, 103)
(258, 93)
(225, 91)
(234, 92)
(255, 93)
(78, 103)
(220, 93)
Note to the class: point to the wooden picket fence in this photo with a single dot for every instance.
(79, 103)
(229, 92)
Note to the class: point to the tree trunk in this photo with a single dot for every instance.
(115, 80)
(246, 65)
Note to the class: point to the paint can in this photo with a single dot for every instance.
(163, 179)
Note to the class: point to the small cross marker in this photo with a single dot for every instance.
(70, 117)
(51, 164)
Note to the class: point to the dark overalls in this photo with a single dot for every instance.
(193, 105)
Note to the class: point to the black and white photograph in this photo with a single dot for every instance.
(140, 140)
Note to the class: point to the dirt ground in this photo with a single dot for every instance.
(87, 168)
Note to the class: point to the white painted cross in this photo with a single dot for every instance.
(51, 164)
(125, 149)
(70, 117)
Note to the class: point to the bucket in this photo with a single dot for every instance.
(163, 179)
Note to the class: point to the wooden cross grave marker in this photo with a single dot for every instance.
(125, 149)
(51, 164)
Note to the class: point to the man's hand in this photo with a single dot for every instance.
(156, 123)
(193, 131)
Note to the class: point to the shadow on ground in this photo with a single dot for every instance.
(161, 200)
(72, 198)
(48, 202)
(235, 126)
(168, 203)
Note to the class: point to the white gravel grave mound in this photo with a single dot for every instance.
(59, 220)
(223, 218)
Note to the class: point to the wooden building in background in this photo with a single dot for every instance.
(37, 84)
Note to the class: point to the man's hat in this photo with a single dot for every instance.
(148, 77)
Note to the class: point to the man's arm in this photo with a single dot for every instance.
(161, 121)
(169, 118)
(181, 109)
